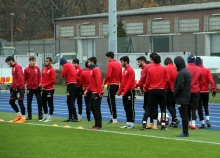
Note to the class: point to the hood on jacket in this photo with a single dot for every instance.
(180, 63)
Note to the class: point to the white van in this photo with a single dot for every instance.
(69, 56)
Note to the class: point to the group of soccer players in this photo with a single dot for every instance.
(166, 86)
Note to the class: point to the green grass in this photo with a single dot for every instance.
(61, 90)
(35, 139)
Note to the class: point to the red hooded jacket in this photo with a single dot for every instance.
(85, 78)
(79, 70)
(69, 72)
(128, 81)
(114, 73)
(18, 77)
(196, 74)
(207, 79)
(48, 78)
(157, 78)
(32, 77)
(95, 84)
(171, 69)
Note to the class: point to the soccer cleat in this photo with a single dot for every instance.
(130, 126)
(21, 121)
(172, 124)
(183, 135)
(163, 128)
(150, 126)
(17, 118)
(126, 126)
(143, 127)
(110, 122)
(29, 118)
(43, 119)
(68, 120)
(40, 117)
(96, 128)
(154, 128)
(48, 120)
(92, 127)
(208, 123)
(202, 126)
(176, 123)
(193, 127)
(74, 120)
(190, 126)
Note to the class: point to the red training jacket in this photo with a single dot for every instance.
(128, 81)
(85, 78)
(114, 73)
(32, 77)
(171, 69)
(18, 77)
(207, 79)
(69, 72)
(157, 78)
(196, 75)
(79, 70)
(48, 78)
(95, 84)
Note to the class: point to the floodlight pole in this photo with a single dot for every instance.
(112, 26)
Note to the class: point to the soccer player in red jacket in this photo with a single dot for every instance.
(17, 89)
(95, 86)
(156, 82)
(47, 83)
(69, 72)
(170, 100)
(85, 81)
(32, 77)
(127, 90)
(196, 84)
(204, 93)
(113, 79)
(79, 92)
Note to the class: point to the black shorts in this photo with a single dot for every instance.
(17, 94)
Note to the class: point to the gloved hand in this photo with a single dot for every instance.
(213, 93)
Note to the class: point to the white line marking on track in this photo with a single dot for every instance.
(131, 134)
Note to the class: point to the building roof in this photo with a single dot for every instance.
(151, 10)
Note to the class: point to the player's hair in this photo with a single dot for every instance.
(125, 58)
(9, 58)
(93, 59)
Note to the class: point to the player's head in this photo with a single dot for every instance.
(110, 55)
(124, 61)
(32, 60)
(10, 61)
(92, 61)
(168, 60)
(48, 62)
(76, 62)
(141, 61)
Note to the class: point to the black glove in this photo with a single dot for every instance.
(213, 93)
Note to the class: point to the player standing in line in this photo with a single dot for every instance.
(84, 81)
(47, 83)
(156, 82)
(196, 84)
(127, 90)
(17, 89)
(113, 79)
(95, 86)
(182, 93)
(79, 92)
(69, 72)
(170, 100)
(32, 77)
(204, 93)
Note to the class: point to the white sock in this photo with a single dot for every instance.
(49, 117)
(18, 113)
(155, 122)
(202, 121)
(207, 117)
(23, 117)
(46, 115)
(114, 120)
(144, 121)
(148, 120)
(193, 122)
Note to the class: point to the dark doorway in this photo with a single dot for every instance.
(161, 44)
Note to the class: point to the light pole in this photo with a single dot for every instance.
(12, 28)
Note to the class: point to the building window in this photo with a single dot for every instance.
(66, 31)
(189, 25)
(87, 30)
(161, 26)
(214, 23)
(104, 29)
(134, 28)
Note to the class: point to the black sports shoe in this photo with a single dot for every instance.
(68, 120)
(176, 123)
(202, 126)
(143, 127)
(74, 120)
(172, 124)
(110, 122)
(29, 118)
(40, 117)
(164, 128)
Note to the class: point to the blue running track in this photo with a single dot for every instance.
(60, 109)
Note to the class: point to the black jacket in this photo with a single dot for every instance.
(182, 83)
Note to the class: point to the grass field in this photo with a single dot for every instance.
(36, 139)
